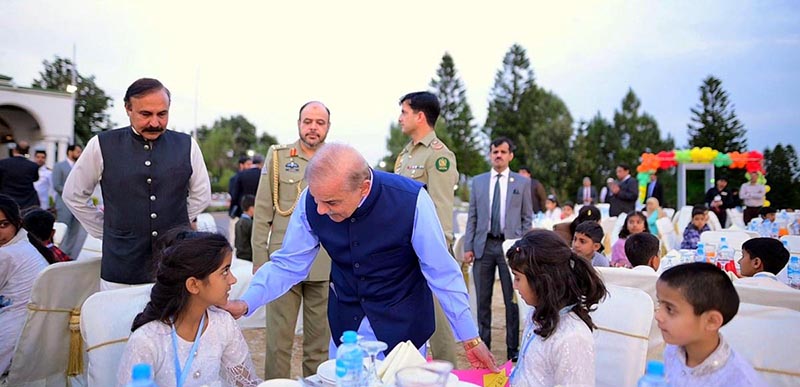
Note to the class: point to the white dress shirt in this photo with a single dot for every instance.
(504, 176)
(88, 170)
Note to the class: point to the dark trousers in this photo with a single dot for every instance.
(750, 213)
(483, 271)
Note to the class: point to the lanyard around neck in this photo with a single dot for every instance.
(529, 336)
(180, 376)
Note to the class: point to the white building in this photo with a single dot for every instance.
(43, 118)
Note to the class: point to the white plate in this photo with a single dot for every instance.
(327, 370)
(280, 383)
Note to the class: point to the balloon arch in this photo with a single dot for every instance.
(697, 159)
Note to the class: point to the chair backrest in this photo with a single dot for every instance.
(669, 237)
(61, 230)
(608, 226)
(762, 335)
(604, 208)
(669, 212)
(623, 322)
(43, 349)
(789, 298)
(106, 320)
(736, 218)
(735, 239)
(92, 248)
(507, 245)
(461, 222)
(682, 218)
(243, 271)
(206, 222)
(713, 222)
(794, 243)
(618, 225)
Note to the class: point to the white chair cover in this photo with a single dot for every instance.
(106, 320)
(61, 230)
(736, 218)
(458, 248)
(682, 218)
(763, 335)
(669, 237)
(92, 248)
(618, 224)
(243, 271)
(713, 222)
(461, 222)
(789, 298)
(604, 208)
(608, 227)
(794, 243)
(645, 282)
(206, 222)
(669, 212)
(623, 322)
(41, 355)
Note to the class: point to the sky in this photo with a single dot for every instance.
(264, 59)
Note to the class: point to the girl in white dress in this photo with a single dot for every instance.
(181, 332)
(557, 346)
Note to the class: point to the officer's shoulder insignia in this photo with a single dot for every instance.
(442, 164)
(436, 145)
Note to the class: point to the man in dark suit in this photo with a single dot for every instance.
(654, 190)
(538, 195)
(234, 210)
(587, 194)
(624, 192)
(72, 244)
(246, 183)
(499, 208)
(17, 175)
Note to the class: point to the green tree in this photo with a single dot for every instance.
(714, 120)
(783, 176)
(456, 116)
(603, 147)
(544, 145)
(91, 102)
(394, 144)
(223, 142)
(638, 131)
(512, 80)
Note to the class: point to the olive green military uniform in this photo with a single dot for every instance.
(430, 162)
(269, 227)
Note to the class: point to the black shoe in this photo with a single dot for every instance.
(513, 354)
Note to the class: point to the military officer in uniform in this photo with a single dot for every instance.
(278, 190)
(427, 160)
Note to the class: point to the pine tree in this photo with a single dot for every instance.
(91, 102)
(457, 118)
(781, 165)
(714, 120)
(639, 132)
(513, 79)
(394, 144)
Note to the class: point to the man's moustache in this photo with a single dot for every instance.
(152, 130)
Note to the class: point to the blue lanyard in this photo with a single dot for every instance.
(528, 337)
(180, 376)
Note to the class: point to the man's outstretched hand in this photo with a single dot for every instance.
(237, 308)
(480, 357)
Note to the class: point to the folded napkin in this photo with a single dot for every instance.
(403, 355)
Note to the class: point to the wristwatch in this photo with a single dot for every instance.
(472, 343)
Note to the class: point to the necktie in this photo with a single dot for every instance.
(495, 226)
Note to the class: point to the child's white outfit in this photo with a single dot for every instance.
(724, 367)
(222, 357)
(565, 358)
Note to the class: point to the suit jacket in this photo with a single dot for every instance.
(17, 175)
(592, 193)
(658, 193)
(519, 211)
(60, 172)
(625, 199)
(246, 183)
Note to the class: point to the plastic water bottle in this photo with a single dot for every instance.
(700, 255)
(794, 272)
(724, 253)
(654, 376)
(349, 362)
(142, 376)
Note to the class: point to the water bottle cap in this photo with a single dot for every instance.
(723, 239)
(350, 337)
(655, 367)
(141, 371)
(795, 259)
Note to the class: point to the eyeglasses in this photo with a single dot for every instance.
(5, 223)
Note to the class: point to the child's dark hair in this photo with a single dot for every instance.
(766, 210)
(625, 232)
(553, 199)
(587, 212)
(705, 286)
(770, 251)
(247, 202)
(639, 248)
(558, 276)
(10, 208)
(569, 204)
(699, 210)
(185, 254)
(593, 230)
(39, 224)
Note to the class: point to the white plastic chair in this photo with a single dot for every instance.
(43, 350)
(243, 271)
(461, 222)
(789, 298)
(794, 243)
(458, 248)
(618, 225)
(735, 239)
(61, 230)
(106, 319)
(762, 334)
(623, 322)
(669, 237)
(206, 222)
(669, 212)
(608, 227)
(736, 218)
(713, 222)
(682, 218)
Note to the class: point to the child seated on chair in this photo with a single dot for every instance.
(698, 225)
(762, 260)
(694, 301)
(642, 252)
(244, 229)
(557, 346)
(39, 223)
(767, 215)
(588, 243)
(181, 332)
(635, 223)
